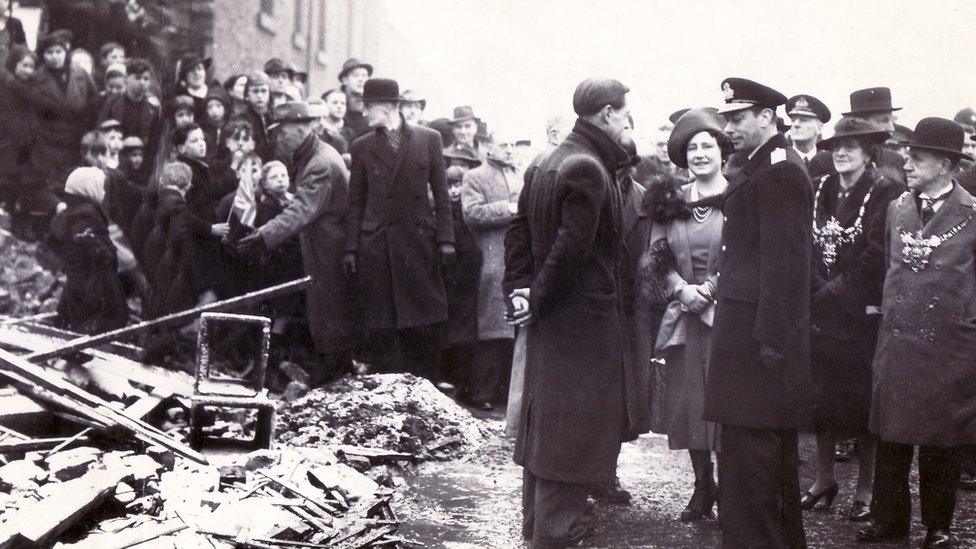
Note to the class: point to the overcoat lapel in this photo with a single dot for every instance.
(956, 209)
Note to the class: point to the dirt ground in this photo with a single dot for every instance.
(475, 502)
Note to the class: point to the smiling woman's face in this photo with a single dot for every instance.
(704, 154)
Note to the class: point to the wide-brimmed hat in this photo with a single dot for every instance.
(676, 115)
(690, 124)
(742, 93)
(292, 111)
(966, 117)
(902, 133)
(851, 126)
(808, 105)
(381, 89)
(871, 101)
(352, 64)
(189, 60)
(410, 96)
(463, 152)
(463, 114)
(276, 65)
(939, 135)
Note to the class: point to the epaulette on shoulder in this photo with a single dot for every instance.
(777, 155)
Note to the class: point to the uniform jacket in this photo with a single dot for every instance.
(486, 195)
(925, 364)
(763, 295)
(569, 227)
(395, 231)
(317, 215)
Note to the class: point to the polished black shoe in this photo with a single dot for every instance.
(877, 532)
(937, 537)
(612, 492)
(860, 511)
(810, 500)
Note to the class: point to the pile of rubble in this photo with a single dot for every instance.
(294, 497)
(396, 412)
(26, 288)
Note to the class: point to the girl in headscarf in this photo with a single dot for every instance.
(92, 300)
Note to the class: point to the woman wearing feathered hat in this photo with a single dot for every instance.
(850, 207)
(685, 243)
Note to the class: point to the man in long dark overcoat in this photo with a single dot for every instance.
(924, 383)
(395, 241)
(759, 382)
(317, 215)
(566, 263)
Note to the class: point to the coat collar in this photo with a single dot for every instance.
(303, 154)
(959, 206)
(611, 154)
(826, 206)
(384, 152)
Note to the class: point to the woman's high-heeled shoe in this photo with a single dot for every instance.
(809, 501)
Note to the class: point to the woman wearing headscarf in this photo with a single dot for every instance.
(850, 208)
(684, 249)
(92, 300)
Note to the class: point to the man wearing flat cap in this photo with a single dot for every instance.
(924, 391)
(316, 215)
(809, 115)
(353, 78)
(874, 104)
(398, 236)
(564, 251)
(759, 384)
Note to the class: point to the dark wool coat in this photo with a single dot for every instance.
(822, 164)
(567, 245)
(843, 335)
(172, 282)
(763, 295)
(317, 215)
(259, 127)
(206, 252)
(925, 364)
(18, 126)
(142, 120)
(141, 228)
(92, 300)
(394, 229)
(62, 101)
(461, 282)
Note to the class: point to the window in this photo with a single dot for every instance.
(266, 20)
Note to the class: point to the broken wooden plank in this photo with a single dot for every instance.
(37, 525)
(30, 445)
(374, 453)
(172, 319)
(36, 381)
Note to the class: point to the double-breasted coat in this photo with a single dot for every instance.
(568, 249)
(924, 390)
(486, 193)
(393, 229)
(842, 332)
(763, 295)
(642, 319)
(317, 215)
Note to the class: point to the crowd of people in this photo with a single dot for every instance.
(748, 280)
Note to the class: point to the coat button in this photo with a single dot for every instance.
(717, 274)
(725, 218)
(938, 265)
(723, 247)
(898, 299)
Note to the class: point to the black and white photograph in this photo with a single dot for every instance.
(290, 274)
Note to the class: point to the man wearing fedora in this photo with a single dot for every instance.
(808, 115)
(412, 107)
(317, 216)
(924, 390)
(874, 104)
(464, 126)
(758, 384)
(563, 256)
(396, 239)
(353, 78)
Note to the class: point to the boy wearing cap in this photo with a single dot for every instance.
(139, 115)
(759, 383)
(353, 77)
(924, 390)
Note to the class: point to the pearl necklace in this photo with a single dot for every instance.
(700, 213)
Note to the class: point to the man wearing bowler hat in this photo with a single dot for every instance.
(925, 365)
(353, 78)
(874, 104)
(397, 238)
(809, 115)
(563, 255)
(759, 384)
(316, 215)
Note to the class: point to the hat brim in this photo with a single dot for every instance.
(274, 125)
(862, 112)
(396, 99)
(735, 107)
(952, 153)
(347, 70)
(877, 136)
(455, 121)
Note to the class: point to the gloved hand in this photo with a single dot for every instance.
(252, 244)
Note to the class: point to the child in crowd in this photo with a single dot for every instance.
(132, 157)
(217, 109)
(284, 263)
(110, 134)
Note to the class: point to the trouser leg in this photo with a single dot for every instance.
(559, 513)
(891, 505)
(492, 368)
(758, 473)
(938, 477)
(419, 349)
